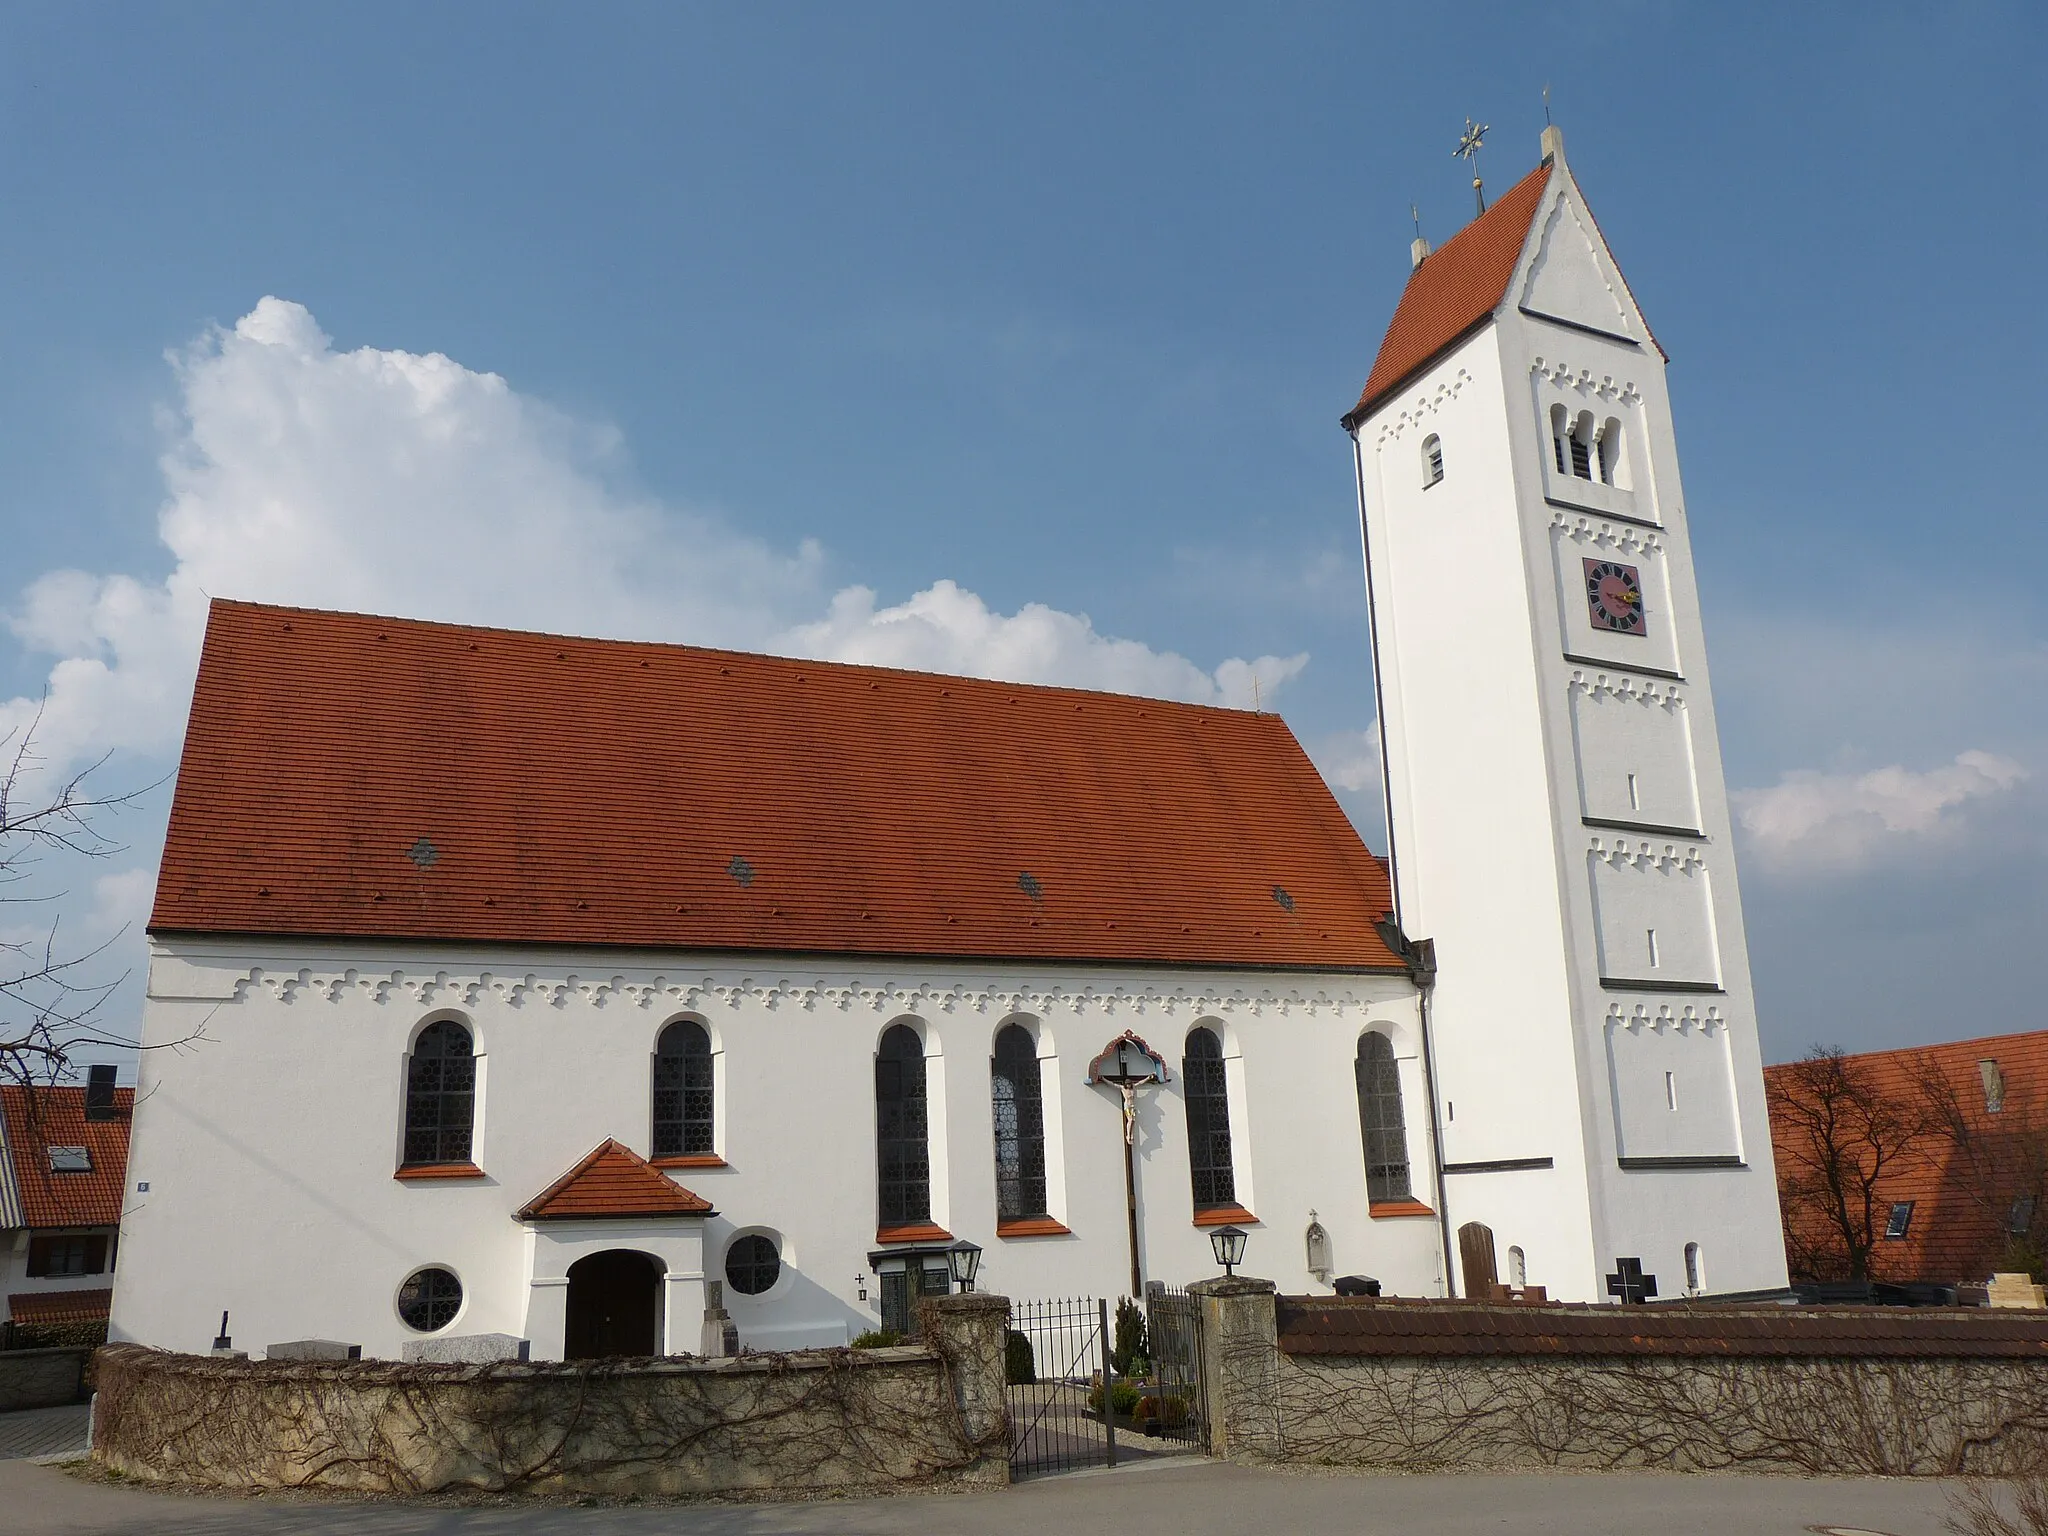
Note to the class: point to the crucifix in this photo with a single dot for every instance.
(1127, 1064)
(1629, 1284)
(1468, 150)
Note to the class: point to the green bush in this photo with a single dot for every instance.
(1130, 1355)
(1169, 1410)
(1124, 1395)
(56, 1335)
(1020, 1369)
(878, 1338)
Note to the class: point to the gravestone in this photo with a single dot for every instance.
(721, 1337)
(468, 1349)
(1629, 1285)
(314, 1349)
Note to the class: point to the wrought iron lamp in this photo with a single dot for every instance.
(1228, 1246)
(964, 1260)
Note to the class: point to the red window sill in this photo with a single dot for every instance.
(913, 1232)
(439, 1171)
(692, 1160)
(1380, 1208)
(1033, 1226)
(1223, 1216)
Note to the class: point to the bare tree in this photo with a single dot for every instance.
(1839, 1139)
(1993, 1134)
(50, 998)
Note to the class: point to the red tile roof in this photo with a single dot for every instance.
(613, 1181)
(52, 1307)
(40, 1118)
(1961, 1205)
(367, 777)
(1455, 289)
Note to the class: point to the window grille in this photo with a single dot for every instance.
(1901, 1218)
(1582, 458)
(440, 1095)
(683, 1091)
(1432, 460)
(752, 1264)
(903, 1153)
(429, 1300)
(1381, 1123)
(1017, 1091)
(1208, 1106)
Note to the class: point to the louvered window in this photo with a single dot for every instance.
(683, 1091)
(440, 1095)
(1432, 460)
(902, 1148)
(1208, 1100)
(1017, 1092)
(1381, 1123)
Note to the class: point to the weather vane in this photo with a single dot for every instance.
(1468, 149)
(1546, 105)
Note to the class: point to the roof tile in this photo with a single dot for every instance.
(38, 1118)
(613, 1180)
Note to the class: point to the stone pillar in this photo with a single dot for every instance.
(1240, 1366)
(970, 1332)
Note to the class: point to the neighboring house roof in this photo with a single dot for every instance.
(52, 1307)
(1455, 289)
(381, 778)
(613, 1180)
(1962, 1205)
(37, 1119)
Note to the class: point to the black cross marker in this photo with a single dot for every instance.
(1630, 1284)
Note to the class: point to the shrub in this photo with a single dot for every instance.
(1020, 1368)
(878, 1338)
(1130, 1355)
(1124, 1395)
(1168, 1410)
(54, 1335)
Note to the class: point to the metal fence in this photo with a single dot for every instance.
(1061, 1406)
(1177, 1402)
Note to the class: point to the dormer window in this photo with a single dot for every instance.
(1432, 460)
(71, 1160)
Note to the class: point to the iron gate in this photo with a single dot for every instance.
(1173, 1336)
(1057, 1354)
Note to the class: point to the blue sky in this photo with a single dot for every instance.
(1011, 319)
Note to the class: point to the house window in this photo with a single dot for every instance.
(1901, 1218)
(70, 1159)
(1017, 1092)
(440, 1095)
(1432, 460)
(1208, 1105)
(903, 1154)
(752, 1264)
(429, 1300)
(2020, 1220)
(903, 1284)
(1380, 1121)
(682, 1091)
(52, 1257)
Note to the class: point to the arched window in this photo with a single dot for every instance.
(1208, 1101)
(1610, 452)
(1695, 1270)
(1018, 1097)
(1432, 460)
(440, 1095)
(1581, 447)
(682, 1091)
(1380, 1121)
(1518, 1268)
(1560, 430)
(902, 1154)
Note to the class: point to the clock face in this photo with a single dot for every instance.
(1614, 597)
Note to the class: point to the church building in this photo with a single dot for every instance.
(523, 984)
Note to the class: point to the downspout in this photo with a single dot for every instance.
(1379, 696)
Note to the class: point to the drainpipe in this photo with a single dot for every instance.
(1419, 955)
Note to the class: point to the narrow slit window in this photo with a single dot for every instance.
(903, 1194)
(1610, 452)
(1017, 1091)
(1671, 1090)
(1635, 799)
(1432, 460)
(1582, 448)
(2020, 1219)
(1381, 1122)
(1559, 431)
(1652, 935)
(1206, 1084)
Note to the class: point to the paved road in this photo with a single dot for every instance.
(1165, 1498)
(42, 1431)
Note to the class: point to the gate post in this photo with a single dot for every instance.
(1241, 1366)
(970, 1332)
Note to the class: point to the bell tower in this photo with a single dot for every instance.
(1556, 814)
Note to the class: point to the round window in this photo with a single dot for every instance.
(752, 1264)
(429, 1300)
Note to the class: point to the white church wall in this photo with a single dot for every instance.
(270, 1143)
(1577, 539)
(1673, 1083)
(1654, 906)
(1633, 746)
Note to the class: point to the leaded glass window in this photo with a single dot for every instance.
(902, 1151)
(1018, 1095)
(1380, 1122)
(1208, 1100)
(429, 1300)
(440, 1095)
(682, 1091)
(752, 1264)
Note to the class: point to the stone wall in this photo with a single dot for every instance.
(815, 1421)
(41, 1378)
(1413, 1386)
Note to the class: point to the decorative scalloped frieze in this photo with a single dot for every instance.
(1681, 1019)
(1561, 375)
(1623, 853)
(1423, 406)
(1623, 538)
(809, 994)
(1648, 691)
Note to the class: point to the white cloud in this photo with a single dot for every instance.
(387, 481)
(1840, 821)
(1350, 760)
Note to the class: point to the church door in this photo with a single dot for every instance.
(1475, 1256)
(614, 1306)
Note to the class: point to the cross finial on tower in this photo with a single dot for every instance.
(1468, 149)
